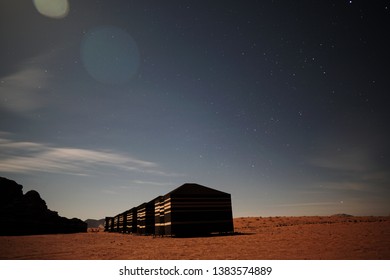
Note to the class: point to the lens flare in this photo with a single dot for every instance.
(52, 8)
(110, 55)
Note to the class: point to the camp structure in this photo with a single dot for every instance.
(121, 222)
(145, 218)
(116, 224)
(195, 210)
(131, 220)
(108, 223)
(159, 219)
(189, 210)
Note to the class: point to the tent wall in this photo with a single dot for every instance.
(108, 223)
(145, 218)
(121, 223)
(116, 224)
(197, 213)
(131, 220)
(159, 216)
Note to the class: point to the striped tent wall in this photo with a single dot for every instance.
(124, 227)
(116, 224)
(121, 222)
(108, 224)
(159, 216)
(111, 224)
(145, 218)
(192, 210)
(131, 220)
(141, 213)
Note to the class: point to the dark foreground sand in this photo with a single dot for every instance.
(280, 238)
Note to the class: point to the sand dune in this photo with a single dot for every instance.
(277, 238)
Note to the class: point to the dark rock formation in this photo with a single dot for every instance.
(10, 191)
(92, 223)
(28, 214)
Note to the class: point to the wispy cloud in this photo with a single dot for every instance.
(110, 192)
(343, 160)
(27, 157)
(150, 183)
(350, 169)
(26, 89)
(346, 186)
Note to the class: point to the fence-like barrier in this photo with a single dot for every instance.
(189, 210)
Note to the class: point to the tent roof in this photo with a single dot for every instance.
(192, 188)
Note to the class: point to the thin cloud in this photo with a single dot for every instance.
(110, 192)
(25, 90)
(350, 169)
(150, 183)
(346, 186)
(350, 160)
(27, 157)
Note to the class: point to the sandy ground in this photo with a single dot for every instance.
(280, 238)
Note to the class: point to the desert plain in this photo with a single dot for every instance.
(255, 238)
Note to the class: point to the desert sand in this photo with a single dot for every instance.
(272, 238)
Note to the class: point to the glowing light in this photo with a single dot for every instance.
(52, 8)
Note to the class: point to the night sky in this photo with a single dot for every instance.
(284, 104)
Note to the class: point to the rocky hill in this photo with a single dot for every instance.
(25, 214)
(92, 223)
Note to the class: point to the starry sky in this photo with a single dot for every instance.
(283, 104)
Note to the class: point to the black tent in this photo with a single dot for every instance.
(145, 218)
(131, 220)
(108, 224)
(192, 210)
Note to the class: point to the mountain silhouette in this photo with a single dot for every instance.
(25, 214)
(93, 223)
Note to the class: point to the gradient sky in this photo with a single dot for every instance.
(283, 104)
